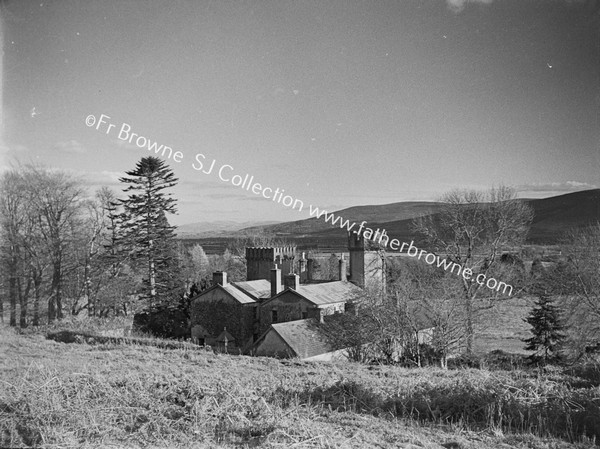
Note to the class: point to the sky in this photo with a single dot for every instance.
(339, 103)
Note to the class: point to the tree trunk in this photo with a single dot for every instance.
(88, 285)
(37, 281)
(151, 274)
(469, 325)
(12, 293)
(24, 303)
(51, 308)
(57, 287)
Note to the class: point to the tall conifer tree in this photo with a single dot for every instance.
(546, 327)
(146, 233)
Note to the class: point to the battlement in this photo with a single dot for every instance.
(260, 261)
(270, 253)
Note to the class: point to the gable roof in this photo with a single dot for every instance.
(328, 292)
(303, 337)
(238, 295)
(258, 289)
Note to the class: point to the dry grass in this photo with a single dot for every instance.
(80, 395)
(502, 327)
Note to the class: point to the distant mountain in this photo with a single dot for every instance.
(215, 228)
(553, 217)
(372, 214)
(556, 215)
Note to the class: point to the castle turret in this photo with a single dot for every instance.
(260, 261)
(356, 248)
(367, 267)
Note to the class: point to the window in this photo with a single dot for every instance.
(304, 314)
(273, 316)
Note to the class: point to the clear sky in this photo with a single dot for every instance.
(340, 103)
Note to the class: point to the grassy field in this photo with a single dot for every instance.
(129, 395)
(502, 327)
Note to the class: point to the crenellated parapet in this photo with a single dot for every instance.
(260, 261)
(271, 253)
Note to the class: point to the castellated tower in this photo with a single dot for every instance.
(260, 261)
(367, 267)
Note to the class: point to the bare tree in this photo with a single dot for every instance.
(432, 305)
(14, 213)
(576, 279)
(472, 230)
(57, 198)
(354, 331)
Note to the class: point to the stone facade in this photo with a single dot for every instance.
(260, 261)
(216, 310)
(248, 309)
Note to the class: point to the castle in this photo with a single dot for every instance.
(280, 288)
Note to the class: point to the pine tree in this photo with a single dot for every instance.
(546, 327)
(146, 233)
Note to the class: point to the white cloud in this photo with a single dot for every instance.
(536, 190)
(458, 5)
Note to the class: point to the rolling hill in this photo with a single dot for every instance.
(215, 228)
(553, 217)
(556, 215)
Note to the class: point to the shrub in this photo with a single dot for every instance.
(163, 323)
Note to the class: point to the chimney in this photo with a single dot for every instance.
(342, 268)
(220, 277)
(276, 286)
(356, 248)
(302, 268)
(292, 281)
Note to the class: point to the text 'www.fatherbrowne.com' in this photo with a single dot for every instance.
(228, 174)
(381, 237)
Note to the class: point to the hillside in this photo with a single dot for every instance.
(553, 217)
(215, 228)
(377, 213)
(556, 215)
(109, 395)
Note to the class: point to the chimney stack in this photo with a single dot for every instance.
(276, 286)
(220, 277)
(342, 268)
(310, 266)
(292, 281)
(302, 270)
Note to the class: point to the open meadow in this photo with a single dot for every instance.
(119, 394)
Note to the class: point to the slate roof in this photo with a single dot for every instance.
(328, 292)
(303, 337)
(247, 292)
(239, 295)
(259, 289)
